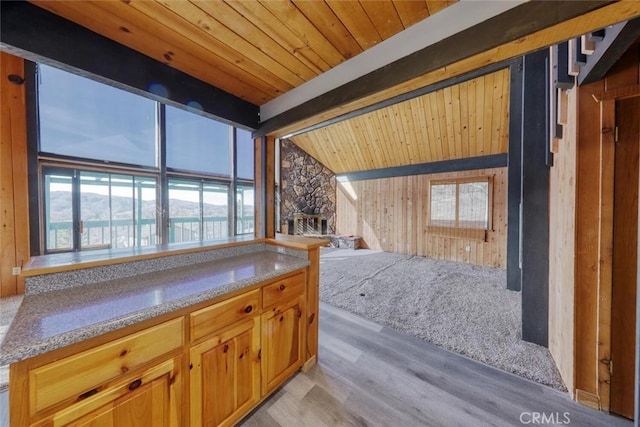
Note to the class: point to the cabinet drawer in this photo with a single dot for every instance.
(282, 290)
(82, 373)
(224, 313)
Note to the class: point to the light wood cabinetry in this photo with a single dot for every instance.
(126, 379)
(225, 374)
(282, 342)
(237, 351)
(147, 401)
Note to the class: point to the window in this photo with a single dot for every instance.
(96, 210)
(84, 119)
(198, 210)
(244, 152)
(461, 203)
(245, 209)
(99, 158)
(196, 143)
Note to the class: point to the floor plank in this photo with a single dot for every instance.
(370, 375)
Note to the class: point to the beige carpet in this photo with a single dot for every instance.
(461, 307)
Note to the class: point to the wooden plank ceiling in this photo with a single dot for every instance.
(256, 50)
(465, 120)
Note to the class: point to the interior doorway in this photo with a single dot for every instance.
(625, 257)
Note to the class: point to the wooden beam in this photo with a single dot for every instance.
(514, 197)
(535, 199)
(615, 43)
(40, 36)
(471, 163)
(504, 28)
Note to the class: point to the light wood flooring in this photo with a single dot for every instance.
(369, 375)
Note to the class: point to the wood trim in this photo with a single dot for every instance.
(479, 234)
(465, 164)
(520, 22)
(38, 35)
(588, 399)
(605, 242)
(14, 191)
(618, 93)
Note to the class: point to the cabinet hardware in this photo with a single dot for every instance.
(135, 384)
(282, 287)
(248, 309)
(88, 394)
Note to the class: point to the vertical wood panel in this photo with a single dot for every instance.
(391, 214)
(14, 204)
(562, 215)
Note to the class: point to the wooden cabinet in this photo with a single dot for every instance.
(225, 374)
(283, 330)
(238, 350)
(147, 401)
(123, 382)
(282, 338)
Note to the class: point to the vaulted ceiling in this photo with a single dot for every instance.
(468, 119)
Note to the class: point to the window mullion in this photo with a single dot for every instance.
(162, 192)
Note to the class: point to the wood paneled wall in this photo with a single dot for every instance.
(391, 214)
(594, 228)
(14, 204)
(562, 240)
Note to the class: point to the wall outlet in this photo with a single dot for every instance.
(467, 248)
(16, 271)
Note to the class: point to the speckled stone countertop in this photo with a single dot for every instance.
(51, 320)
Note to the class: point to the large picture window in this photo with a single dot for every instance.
(197, 144)
(104, 155)
(85, 119)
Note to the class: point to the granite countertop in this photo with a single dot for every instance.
(51, 320)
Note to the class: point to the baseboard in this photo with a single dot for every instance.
(588, 399)
(309, 364)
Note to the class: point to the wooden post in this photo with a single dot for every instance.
(14, 199)
(535, 200)
(514, 278)
(265, 186)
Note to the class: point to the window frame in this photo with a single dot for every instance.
(39, 161)
(456, 230)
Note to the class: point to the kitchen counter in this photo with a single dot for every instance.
(50, 320)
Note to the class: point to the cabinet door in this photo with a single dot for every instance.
(225, 375)
(282, 342)
(148, 400)
(146, 406)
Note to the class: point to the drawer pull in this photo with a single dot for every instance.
(282, 287)
(88, 394)
(248, 309)
(135, 384)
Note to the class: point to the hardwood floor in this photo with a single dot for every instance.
(369, 375)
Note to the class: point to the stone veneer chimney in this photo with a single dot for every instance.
(306, 186)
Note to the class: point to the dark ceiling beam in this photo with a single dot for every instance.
(454, 165)
(35, 34)
(617, 40)
(509, 26)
